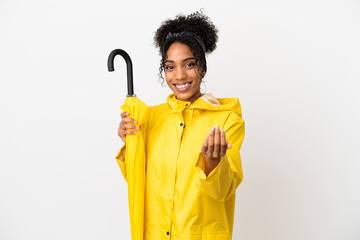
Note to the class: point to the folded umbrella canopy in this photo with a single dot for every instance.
(135, 151)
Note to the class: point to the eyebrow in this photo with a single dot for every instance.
(186, 59)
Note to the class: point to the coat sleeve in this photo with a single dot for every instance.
(120, 158)
(223, 180)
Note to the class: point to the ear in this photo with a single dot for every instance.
(203, 75)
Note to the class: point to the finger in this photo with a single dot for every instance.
(120, 132)
(128, 132)
(129, 120)
(210, 149)
(223, 143)
(123, 114)
(129, 126)
(229, 145)
(123, 132)
(217, 142)
(204, 147)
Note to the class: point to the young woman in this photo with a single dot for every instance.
(193, 170)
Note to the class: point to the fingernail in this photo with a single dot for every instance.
(136, 128)
(212, 129)
(217, 127)
(222, 130)
(135, 121)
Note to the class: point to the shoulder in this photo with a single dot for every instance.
(234, 117)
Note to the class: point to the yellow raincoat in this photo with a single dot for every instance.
(181, 202)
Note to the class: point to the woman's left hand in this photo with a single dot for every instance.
(214, 147)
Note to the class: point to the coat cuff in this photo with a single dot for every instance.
(120, 158)
(218, 182)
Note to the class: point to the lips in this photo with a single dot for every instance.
(183, 86)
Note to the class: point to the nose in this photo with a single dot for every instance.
(180, 74)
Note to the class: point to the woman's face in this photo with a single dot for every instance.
(181, 73)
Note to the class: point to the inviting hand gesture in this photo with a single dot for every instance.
(214, 147)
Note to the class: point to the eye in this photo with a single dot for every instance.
(190, 65)
(169, 68)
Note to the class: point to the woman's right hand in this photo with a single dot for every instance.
(125, 126)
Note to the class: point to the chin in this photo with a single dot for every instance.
(184, 96)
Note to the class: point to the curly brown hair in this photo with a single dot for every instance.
(195, 30)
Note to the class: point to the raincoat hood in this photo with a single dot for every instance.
(207, 102)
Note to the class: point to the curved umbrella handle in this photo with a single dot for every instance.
(130, 82)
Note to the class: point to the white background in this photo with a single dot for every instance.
(294, 65)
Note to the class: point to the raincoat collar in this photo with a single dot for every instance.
(206, 102)
(177, 104)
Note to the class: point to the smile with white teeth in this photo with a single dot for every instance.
(182, 86)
